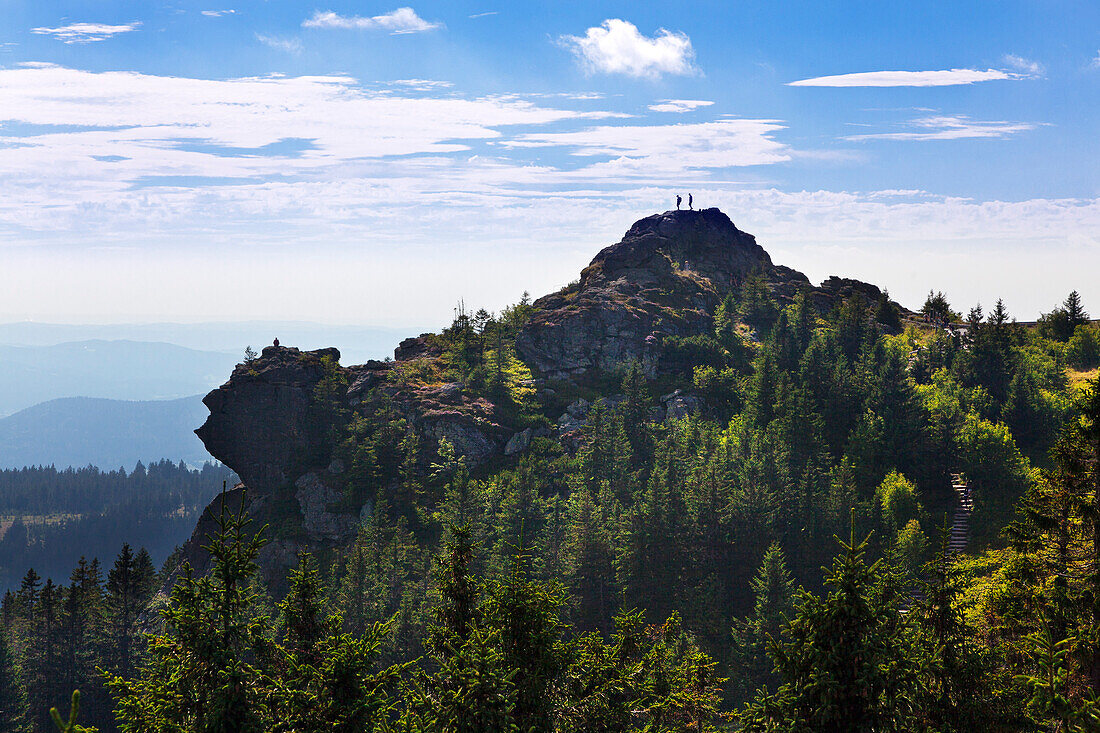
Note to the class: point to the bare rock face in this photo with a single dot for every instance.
(317, 501)
(260, 421)
(265, 424)
(663, 279)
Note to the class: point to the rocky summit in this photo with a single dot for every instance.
(663, 279)
(274, 421)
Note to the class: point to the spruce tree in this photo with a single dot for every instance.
(773, 592)
(1075, 312)
(201, 672)
(849, 662)
(468, 688)
(324, 680)
(13, 696)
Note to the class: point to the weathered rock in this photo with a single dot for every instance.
(578, 408)
(416, 347)
(449, 392)
(518, 442)
(265, 424)
(469, 440)
(681, 406)
(261, 422)
(663, 279)
(318, 518)
(363, 378)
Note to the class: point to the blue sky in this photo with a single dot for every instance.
(363, 162)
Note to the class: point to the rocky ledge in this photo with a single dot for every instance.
(664, 278)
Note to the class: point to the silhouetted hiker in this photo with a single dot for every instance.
(678, 200)
(276, 342)
(689, 200)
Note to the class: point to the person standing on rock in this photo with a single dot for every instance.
(689, 202)
(276, 342)
(678, 200)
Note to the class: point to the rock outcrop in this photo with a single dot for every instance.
(663, 279)
(266, 424)
(260, 422)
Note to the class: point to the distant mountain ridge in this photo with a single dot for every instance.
(360, 342)
(121, 370)
(78, 431)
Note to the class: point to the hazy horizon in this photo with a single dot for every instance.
(348, 164)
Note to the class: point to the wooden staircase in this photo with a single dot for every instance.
(959, 534)
(960, 525)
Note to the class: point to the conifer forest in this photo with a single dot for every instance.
(870, 520)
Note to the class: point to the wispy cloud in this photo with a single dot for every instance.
(948, 77)
(217, 13)
(617, 47)
(1026, 67)
(86, 32)
(400, 21)
(649, 149)
(290, 45)
(1095, 63)
(482, 15)
(679, 105)
(946, 127)
(421, 84)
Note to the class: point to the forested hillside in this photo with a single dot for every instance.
(50, 518)
(82, 431)
(690, 491)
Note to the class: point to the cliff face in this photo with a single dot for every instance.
(665, 278)
(273, 424)
(260, 421)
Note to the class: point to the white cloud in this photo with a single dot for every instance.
(1027, 67)
(400, 21)
(679, 105)
(217, 13)
(637, 150)
(949, 77)
(133, 127)
(290, 45)
(1095, 63)
(482, 15)
(86, 32)
(421, 84)
(617, 47)
(946, 127)
(361, 216)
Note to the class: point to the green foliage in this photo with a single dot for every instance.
(937, 310)
(887, 315)
(1051, 686)
(70, 725)
(534, 617)
(1061, 324)
(13, 696)
(897, 498)
(1083, 348)
(681, 354)
(850, 660)
(757, 308)
(203, 672)
(773, 590)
